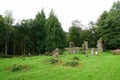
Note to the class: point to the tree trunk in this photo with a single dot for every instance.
(14, 49)
(24, 49)
(33, 47)
(6, 42)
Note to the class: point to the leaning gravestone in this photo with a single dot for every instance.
(100, 46)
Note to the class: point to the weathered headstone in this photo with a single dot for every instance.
(83, 49)
(86, 45)
(92, 51)
(100, 45)
(83, 46)
(56, 52)
(71, 48)
(71, 44)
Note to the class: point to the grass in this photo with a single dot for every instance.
(104, 66)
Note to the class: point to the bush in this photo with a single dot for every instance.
(53, 61)
(76, 58)
(5, 56)
(72, 63)
(2, 55)
(16, 68)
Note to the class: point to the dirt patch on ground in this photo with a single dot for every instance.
(116, 52)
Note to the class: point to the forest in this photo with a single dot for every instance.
(41, 34)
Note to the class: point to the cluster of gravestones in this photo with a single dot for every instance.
(72, 49)
(100, 48)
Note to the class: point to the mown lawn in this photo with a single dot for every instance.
(104, 66)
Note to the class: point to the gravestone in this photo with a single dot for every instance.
(83, 46)
(71, 44)
(83, 49)
(56, 52)
(86, 45)
(92, 51)
(100, 46)
(71, 48)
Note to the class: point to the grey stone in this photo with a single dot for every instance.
(56, 52)
(100, 45)
(92, 51)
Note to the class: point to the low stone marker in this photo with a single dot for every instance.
(56, 52)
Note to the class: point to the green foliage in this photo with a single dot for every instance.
(39, 32)
(53, 61)
(15, 68)
(109, 26)
(76, 58)
(35, 36)
(55, 34)
(74, 35)
(2, 34)
(5, 56)
(72, 63)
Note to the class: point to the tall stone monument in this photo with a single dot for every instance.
(92, 51)
(86, 45)
(100, 45)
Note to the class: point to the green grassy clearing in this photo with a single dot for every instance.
(105, 66)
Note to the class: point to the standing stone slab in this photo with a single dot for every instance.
(92, 51)
(71, 48)
(100, 45)
(86, 45)
(71, 44)
(56, 52)
(83, 46)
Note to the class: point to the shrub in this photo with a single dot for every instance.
(53, 61)
(72, 63)
(16, 68)
(76, 58)
(5, 56)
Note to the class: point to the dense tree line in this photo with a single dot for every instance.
(36, 36)
(79, 35)
(41, 34)
(107, 27)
